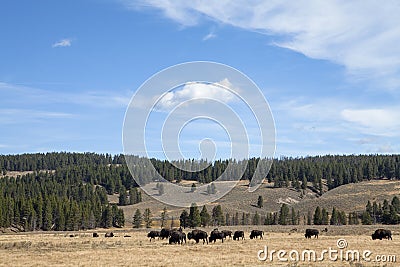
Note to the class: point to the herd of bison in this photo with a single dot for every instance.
(177, 236)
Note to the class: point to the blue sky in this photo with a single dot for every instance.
(329, 70)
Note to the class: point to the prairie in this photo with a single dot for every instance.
(59, 249)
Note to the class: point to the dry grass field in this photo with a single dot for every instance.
(58, 249)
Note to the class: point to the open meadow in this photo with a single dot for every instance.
(59, 249)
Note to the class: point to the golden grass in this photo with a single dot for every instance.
(58, 249)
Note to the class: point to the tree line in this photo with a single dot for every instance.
(300, 173)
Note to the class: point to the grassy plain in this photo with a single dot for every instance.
(59, 249)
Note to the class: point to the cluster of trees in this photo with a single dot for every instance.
(384, 213)
(48, 201)
(321, 217)
(134, 196)
(146, 219)
(196, 218)
(337, 170)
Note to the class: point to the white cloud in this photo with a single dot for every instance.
(209, 36)
(63, 43)
(383, 122)
(361, 35)
(200, 91)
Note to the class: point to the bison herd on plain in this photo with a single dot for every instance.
(177, 236)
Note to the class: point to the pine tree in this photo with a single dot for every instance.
(107, 217)
(184, 219)
(205, 216)
(317, 216)
(335, 217)
(256, 219)
(194, 216)
(137, 219)
(293, 217)
(283, 214)
(325, 217)
(366, 218)
(147, 218)
(342, 218)
(260, 202)
(164, 217)
(217, 215)
(304, 183)
(47, 215)
(396, 204)
(309, 217)
(123, 197)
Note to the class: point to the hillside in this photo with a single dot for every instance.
(349, 198)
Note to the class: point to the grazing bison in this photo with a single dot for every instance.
(165, 233)
(109, 234)
(95, 235)
(227, 233)
(177, 237)
(197, 235)
(215, 234)
(153, 235)
(382, 234)
(311, 232)
(238, 234)
(256, 233)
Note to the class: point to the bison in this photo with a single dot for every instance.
(382, 234)
(197, 235)
(227, 233)
(95, 235)
(165, 233)
(215, 234)
(153, 235)
(256, 234)
(109, 234)
(177, 237)
(311, 232)
(238, 234)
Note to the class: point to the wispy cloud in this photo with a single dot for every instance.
(360, 35)
(381, 122)
(101, 99)
(63, 43)
(17, 116)
(209, 36)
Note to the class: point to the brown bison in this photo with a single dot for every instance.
(256, 234)
(153, 235)
(165, 233)
(227, 233)
(95, 235)
(238, 234)
(177, 237)
(382, 234)
(215, 234)
(311, 232)
(109, 234)
(198, 235)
